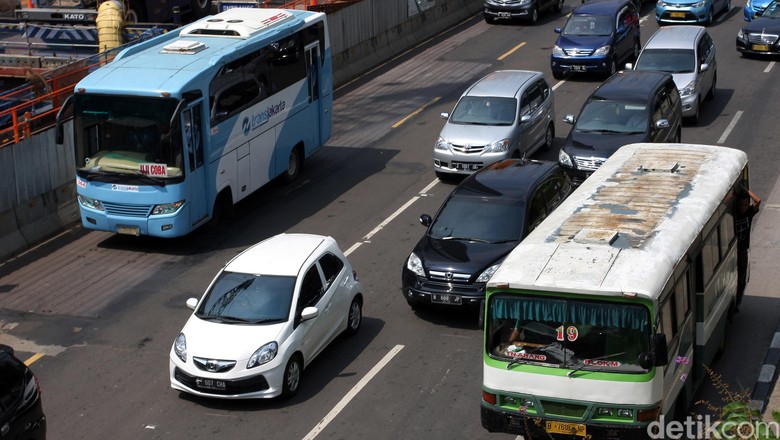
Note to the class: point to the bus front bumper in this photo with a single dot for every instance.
(532, 426)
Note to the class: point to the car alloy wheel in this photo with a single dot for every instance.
(355, 316)
(292, 376)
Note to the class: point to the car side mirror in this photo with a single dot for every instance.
(445, 115)
(192, 303)
(426, 220)
(309, 313)
(704, 67)
(662, 123)
(629, 66)
(569, 119)
(557, 30)
(525, 118)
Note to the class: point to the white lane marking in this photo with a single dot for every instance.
(558, 84)
(384, 223)
(769, 67)
(733, 122)
(352, 393)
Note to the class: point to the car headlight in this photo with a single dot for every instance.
(442, 144)
(263, 355)
(700, 4)
(557, 51)
(167, 208)
(748, 5)
(564, 159)
(498, 146)
(91, 203)
(662, 3)
(180, 347)
(688, 90)
(525, 2)
(741, 35)
(602, 51)
(414, 264)
(487, 273)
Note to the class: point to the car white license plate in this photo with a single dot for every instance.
(761, 47)
(445, 298)
(504, 15)
(554, 427)
(129, 230)
(211, 384)
(677, 14)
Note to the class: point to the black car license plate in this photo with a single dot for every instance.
(445, 298)
(211, 384)
(466, 166)
(504, 15)
(577, 68)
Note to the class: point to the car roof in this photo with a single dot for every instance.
(631, 85)
(675, 37)
(510, 178)
(283, 254)
(502, 83)
(601, 7)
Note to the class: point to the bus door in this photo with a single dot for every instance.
(197, 193)
(312, 56)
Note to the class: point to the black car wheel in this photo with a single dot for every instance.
(490, 19)
(710, 18)
(534, 17)
(711, 93)
(549, 136)
(558, 6)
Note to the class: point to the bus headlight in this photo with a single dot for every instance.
(167, 208)
(91, 203)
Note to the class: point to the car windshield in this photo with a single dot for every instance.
(667, 60)
(567, 333)
(475, 218)
(481, 110)
(772, 10)
(600, 116)
(588, 25)
(238, 297)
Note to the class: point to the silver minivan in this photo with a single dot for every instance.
(688, 53)
(508, 113)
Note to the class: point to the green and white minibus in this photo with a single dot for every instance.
(602, 319)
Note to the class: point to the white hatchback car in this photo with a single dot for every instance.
(266, 315)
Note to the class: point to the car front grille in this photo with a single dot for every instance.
(127, 210)
(578, 52)
(213, 365)
(469, 149)
(588, 163)
(449, 277)
(762, 38)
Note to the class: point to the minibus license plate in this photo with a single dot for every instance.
(553, 427)
(677, 14)
(761, 47)
(211, 384)
(445, 298)
(129, 230)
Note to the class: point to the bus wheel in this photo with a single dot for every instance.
(294, 165)
(201, 8)
(136, 13)
(223, 207)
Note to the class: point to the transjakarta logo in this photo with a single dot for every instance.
(250, 123)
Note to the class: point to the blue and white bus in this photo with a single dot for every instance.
(603, 319)
(176, 130)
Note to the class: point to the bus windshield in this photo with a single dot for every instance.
(127, 138)
(568, 333)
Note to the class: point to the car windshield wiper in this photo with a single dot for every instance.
(508, 240)
(602, 130)
(580, 367)
(466, 239)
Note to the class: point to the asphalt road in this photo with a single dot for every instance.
(103, 310)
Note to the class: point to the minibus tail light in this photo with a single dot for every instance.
(648, 414)
(489, 397)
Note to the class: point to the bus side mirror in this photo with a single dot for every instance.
(660, 350)
(64, 112)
